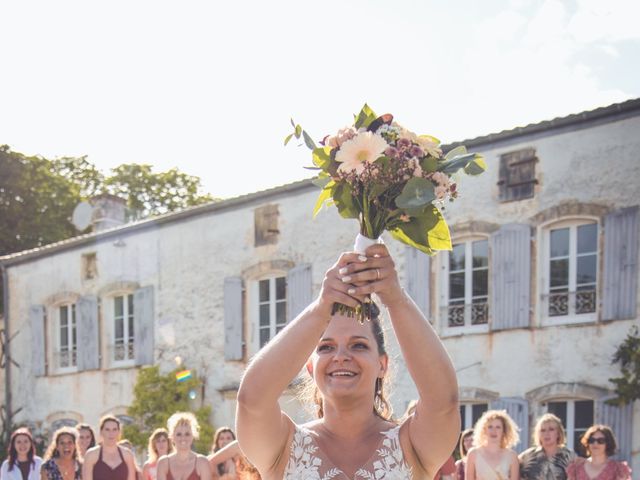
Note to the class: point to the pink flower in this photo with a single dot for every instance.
(344, 134)
(440, 192)
(391, 152)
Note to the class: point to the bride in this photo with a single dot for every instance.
(354, 436)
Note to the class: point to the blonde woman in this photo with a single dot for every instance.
(491, 458)
(184, 463)
(159, 445)
(354, 436)
(549, 458)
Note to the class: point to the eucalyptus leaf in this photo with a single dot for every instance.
(308, 140)
(288, 137)
(476, 166)
(429, 164)
(293, 124)
(298, 131)
(325, 195)
(459, 150)
(428, 232)
(344, 201)
(416, 193)
(322, 180)
(456, 163)
(322, 157)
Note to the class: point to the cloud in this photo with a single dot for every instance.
(610, 21)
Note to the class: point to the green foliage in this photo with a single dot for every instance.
(627, 386)
(156, 398)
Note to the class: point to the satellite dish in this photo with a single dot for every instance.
(81, 217)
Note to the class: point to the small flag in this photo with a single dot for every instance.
(183, 375)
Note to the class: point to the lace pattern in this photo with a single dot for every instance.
(306, 462)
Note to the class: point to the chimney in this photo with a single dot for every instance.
(108, 212)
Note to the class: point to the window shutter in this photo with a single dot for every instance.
(510, 272)
(418, 268)
(620, 264)
(87, 333)
(518, 410)
(299, 290)
(143, 331)
(619, 418)
(233, 318)
(38, 354)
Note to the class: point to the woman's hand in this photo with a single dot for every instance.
(337, 287)
(377, 274)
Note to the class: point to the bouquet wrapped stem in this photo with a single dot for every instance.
(390, 179)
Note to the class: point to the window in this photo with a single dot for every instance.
(576, 416)
(266, 225)
(89, 266)
(470, 413)
(123, 328)
(272, 308)
(517, 175)
(465, 287)
(67, 338)
(571, 269)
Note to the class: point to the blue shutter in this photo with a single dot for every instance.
(619, 418)
(233, 318)
(510, 274)
(418, 269)
(143, 320)
(620, 276)
(299, 290)
(87, 333)
(518, 410)
(38, 353)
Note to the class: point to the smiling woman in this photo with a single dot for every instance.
(61, 460)
(354, 436)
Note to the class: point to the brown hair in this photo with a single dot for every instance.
(152, 450)
(609, 438)
(12, 453)
(310, 393)
(549, 418)
(52, 450)
(461, 448)
(109, 418)
(87, 427)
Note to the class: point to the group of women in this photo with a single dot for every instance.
(486, 454)
(354, 436)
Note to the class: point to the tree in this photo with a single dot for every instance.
(156, 398)
(627, 386)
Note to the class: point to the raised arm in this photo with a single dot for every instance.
(229, 451)
(263, 430)
(435, 425)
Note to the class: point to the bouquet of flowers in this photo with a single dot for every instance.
(389, 179)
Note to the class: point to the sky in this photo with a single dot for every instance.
(209, 87)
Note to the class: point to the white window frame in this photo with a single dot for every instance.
(570, 427)
(71, 328)
(468, 288)
(254, 306)
(543, 305)
(467, 420)
(127, 317)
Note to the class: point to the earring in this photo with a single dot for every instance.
(378, 386)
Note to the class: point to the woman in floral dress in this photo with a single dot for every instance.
(354, 436)
(549, 458)
(61, 459)
(600, 444)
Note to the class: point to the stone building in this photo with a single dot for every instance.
(539, 289)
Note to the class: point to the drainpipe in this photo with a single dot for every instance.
(7, 352)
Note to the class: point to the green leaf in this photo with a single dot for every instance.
(476, 166)
(456, 163)
(427, 232)
(287, 138)
(308, 140)
(429, 164)
(324, 196)
(365, 117)
(293, 124)
(416, 193)
(460, 150)
(298, 131)
(344, 201)
(322, 157)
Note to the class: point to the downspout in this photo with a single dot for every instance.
(7, 351)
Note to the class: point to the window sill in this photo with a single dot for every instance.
(114, 365)
(561, 320)
(466, 330)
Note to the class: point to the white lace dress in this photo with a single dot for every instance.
(306, 462)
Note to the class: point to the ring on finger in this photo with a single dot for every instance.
(377, 274)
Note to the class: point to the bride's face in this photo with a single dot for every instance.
(346, 361)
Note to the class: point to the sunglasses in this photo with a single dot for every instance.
(599, 440)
